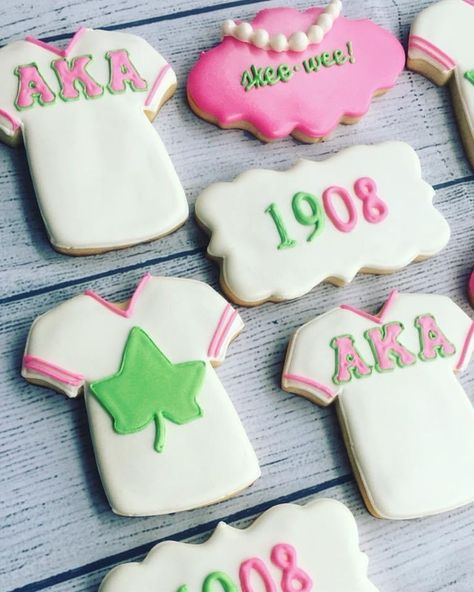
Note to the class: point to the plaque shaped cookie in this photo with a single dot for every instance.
(101, 173)
(307, 548)
(407, 422)
(166, 435)
(294, 73)
(279, 234)
(441, 47)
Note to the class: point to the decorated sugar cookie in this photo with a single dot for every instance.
(279, 234)
(165, 434)
(290, 72)
(440, 47)
(471, 289)
(314, 548)
(102, 176)
(408, 424)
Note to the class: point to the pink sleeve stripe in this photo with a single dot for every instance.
(166, 68)
(13, 122)
(222, 330)
(52, 371)
(431, 51)
(329, 393)
(466, 346)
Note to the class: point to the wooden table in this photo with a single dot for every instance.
(57, 531)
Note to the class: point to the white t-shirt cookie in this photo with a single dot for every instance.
(165, 433)
(442, 35)
(408, 424)
(102, 175)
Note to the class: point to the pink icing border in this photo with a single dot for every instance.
(50, 47)
(14, 122)
(329, 393)
(127, 312)
(377, 318)
(465, 349)
(166, 68)
(417, 42)
(471, 2)
(222, 330)
(41, 366)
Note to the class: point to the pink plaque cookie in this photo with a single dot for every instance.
(290, 72)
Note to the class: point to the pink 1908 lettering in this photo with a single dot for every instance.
(374, 210)
(283, 556)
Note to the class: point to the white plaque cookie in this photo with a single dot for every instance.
(279, 234)
(312, 548)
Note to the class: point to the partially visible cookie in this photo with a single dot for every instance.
(471, 289)
(294, 73)
(289, 548)
(441, 47)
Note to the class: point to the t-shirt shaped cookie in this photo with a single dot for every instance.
(407, 423)
(102, 176)
(290, 72)
(441, 48)
(165, 434)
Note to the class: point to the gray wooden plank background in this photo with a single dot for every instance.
(56, 530)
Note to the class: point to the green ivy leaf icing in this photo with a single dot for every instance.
(469, 75)
(149, 387)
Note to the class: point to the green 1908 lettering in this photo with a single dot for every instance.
(300, 203)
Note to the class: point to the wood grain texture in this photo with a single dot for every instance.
(58, 532)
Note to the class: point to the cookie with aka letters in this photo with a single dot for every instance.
(406, 420)
(441, 47)
(165, 433)
(294, 73)
(277, 235)
(312, 548)
(102, 176)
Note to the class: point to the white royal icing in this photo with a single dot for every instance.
(203, 461)
(102, 175)
(256, 266)
(323, 534)
(409, 430)
(442, 35)
(297, 41)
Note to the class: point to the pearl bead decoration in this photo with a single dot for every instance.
(298, 41)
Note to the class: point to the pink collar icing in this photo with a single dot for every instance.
(50, 47)
(127, 312)
(375, 318)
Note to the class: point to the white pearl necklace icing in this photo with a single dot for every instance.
(298, 41)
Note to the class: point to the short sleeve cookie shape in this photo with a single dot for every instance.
(408, 424)
(102, 176)
(441, 47)
(165, 434)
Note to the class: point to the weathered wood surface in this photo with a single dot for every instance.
(57, 531)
